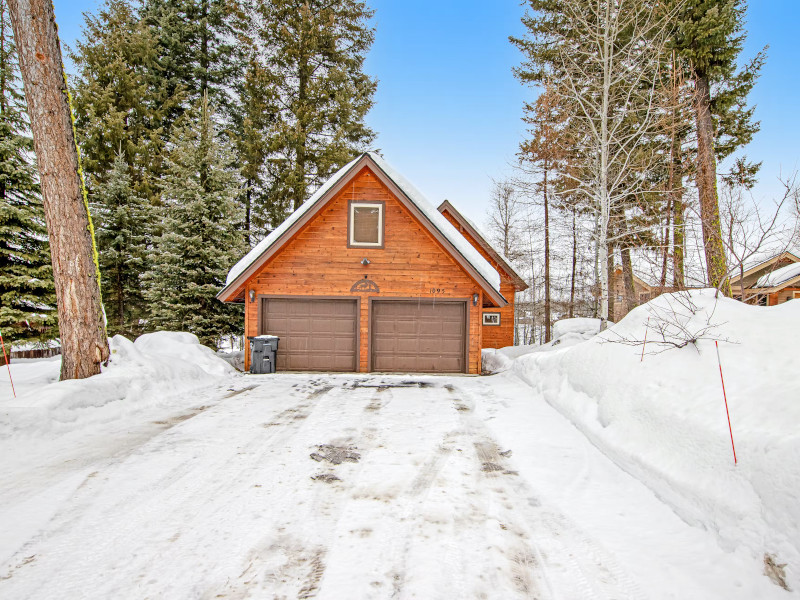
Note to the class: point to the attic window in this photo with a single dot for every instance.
(365, 225)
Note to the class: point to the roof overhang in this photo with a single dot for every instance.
(519, 283)
(754, 291)
(235, 289)
(764, 265)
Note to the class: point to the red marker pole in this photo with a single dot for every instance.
(3, 344)
(727, 412)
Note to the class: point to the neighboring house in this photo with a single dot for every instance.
(498, 323)
(367, 276)
(769, 282)
(619, 300)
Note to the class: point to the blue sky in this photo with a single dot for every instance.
(448, 108)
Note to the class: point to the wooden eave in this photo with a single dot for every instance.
(519, 283)
(638, 280)
(764, 265)
(793, 282)
(236, 289)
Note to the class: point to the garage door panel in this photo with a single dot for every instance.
(418, 336)
(317, 334)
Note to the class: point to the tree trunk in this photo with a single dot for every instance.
(627, 277)
(247, 210)
(574, 266)
(707, 187)
(84, 344)
(546, 260)
(665, 245)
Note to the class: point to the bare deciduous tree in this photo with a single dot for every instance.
(749, 230)
(608, 63)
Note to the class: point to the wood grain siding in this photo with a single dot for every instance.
(412, 264)
(319, 334)
(418, 335)
(493, 336)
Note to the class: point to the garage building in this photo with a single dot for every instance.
(367, 276)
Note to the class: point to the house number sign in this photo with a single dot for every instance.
(437, 290)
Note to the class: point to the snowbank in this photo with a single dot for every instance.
(150, 370)
(566, 333)
(663, 418)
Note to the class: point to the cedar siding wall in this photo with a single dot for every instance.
(782, 296)
(494, 336)
(317, 262)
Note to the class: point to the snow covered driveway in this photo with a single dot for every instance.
(445, 487)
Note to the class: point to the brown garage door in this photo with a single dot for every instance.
(418, 336)
(316, 334)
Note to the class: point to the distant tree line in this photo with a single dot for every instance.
(202, 125)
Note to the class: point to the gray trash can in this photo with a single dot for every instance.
(263, 353)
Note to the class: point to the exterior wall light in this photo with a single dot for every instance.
(475, 298)
(365, 261)
(252, 294)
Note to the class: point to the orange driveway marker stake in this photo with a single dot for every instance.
(726, 401)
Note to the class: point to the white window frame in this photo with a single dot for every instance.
(491, 314)
(351, 224)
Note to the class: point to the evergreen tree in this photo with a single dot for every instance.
(27, 294)
(200, 48)
(200, 241)
(710, 35)
(121, 105)
(122, 222)
(313, 60)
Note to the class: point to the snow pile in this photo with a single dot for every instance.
(663, 418)
(566, 333)
(579, 325)
(778, 276)
(156, 367)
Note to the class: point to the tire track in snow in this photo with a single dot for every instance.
(550, 550)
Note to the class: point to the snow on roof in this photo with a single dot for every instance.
(273, 237)
(466, 249)
(778, 276)
(478, 230)
(444, 226)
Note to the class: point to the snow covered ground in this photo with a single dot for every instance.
(198, 482)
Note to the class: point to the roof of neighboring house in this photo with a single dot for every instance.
(761, 263)
(464, 253)
(636, 279)
(779, 278)
(505, 264)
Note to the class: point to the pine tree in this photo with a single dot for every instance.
(27, 294)
(121, 105)
(200, 50)
(710, 36)
(122, 224)
(200, 241)
(314, 59)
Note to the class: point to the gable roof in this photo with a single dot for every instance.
(779, 278)
(764, 264)
(472, 229)
(637, 279)
(466, 256)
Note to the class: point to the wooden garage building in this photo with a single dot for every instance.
(367, 276)
(498, 323)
